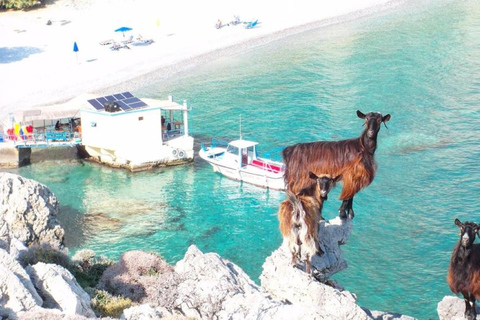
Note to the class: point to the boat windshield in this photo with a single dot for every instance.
(232, 149)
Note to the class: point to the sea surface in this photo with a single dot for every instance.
(419, 62)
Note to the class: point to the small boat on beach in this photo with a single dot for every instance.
(238, 160)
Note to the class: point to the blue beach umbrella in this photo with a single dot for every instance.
(75, 49)
(123, 30)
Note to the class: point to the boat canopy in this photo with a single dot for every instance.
(242, 144)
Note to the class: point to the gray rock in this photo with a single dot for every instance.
(10, 263)
(144, 312)
(60, 289)
(14, 296)
(331, 235)
(38, 313)
(453, 308)
(285, 282)
(216, 287)
(378, 315)
(28, 212)
(17, 248)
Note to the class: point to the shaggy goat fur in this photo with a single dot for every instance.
(352, 160)
(464, 269)
(299, 217)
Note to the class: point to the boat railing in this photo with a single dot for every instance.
(267, 166)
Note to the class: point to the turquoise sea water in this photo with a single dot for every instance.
(419, 62)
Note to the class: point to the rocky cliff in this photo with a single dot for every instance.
(28, 212)
(206, 287)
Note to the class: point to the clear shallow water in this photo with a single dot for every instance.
(419, 63)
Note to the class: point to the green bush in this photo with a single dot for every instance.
(91, 276)
(20, 4)
(107, 305)
(46, 254)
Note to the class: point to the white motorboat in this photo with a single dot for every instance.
(238, 160)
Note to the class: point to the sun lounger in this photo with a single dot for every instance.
(106, 42)
(145, 42)
(117, 46)
(251, 24)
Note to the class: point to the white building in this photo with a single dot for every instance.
(124, 131)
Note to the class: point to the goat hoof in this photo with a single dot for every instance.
(351, 214)
(470, 314)
(343, 215)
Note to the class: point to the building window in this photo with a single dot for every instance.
(140, 118)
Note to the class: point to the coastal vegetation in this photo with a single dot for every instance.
(20, 4)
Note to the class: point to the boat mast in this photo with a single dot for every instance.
(240, 127)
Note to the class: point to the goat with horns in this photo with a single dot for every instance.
(464, 269)
(351, 160)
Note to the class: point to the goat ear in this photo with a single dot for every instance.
(312, 175)
(360, 114)
(386, 118)
(458, 223)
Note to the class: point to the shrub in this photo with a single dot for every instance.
(89, 268)
(106, 305)
(47, 254)
(142, 277)
(19, 4)
(84, 258)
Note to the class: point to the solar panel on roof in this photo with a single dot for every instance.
(137, 105)
(125, 100)
(123, 105)
(97, 105)
(131, 100)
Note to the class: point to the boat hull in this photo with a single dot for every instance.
(247, 174)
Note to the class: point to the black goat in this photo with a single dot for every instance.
(464, 270)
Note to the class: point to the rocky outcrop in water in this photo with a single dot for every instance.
(28, 212)
(205, 286)
(453, 308)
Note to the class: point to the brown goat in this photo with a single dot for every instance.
(352, 160)
(299, 217)
(464, 269)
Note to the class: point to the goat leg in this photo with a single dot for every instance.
(470, 312)
(473, 312)
(351, 214)
(307, 264)
(294, 259)
(343, 209)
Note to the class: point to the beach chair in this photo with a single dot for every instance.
(251, 24)
(106, 42)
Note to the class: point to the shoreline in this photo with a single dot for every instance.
(55, 77)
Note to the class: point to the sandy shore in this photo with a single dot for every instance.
(39, 67)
